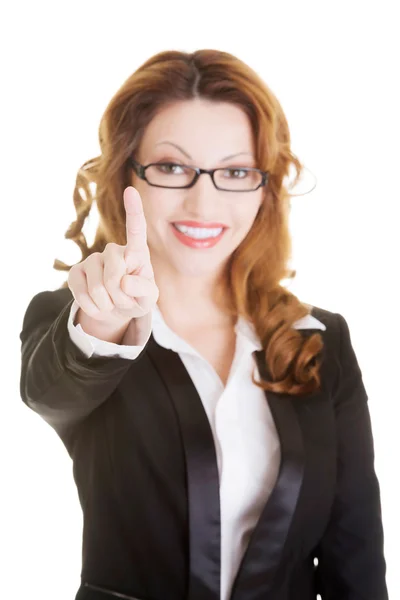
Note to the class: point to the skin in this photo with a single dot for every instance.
(186, 277)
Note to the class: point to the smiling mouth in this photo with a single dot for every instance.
(198, 237)
(199, 233)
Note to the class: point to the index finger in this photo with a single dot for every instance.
(136, 227)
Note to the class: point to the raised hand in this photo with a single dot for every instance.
(118, 284)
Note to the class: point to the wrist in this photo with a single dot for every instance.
(138, 331)
(112, 330)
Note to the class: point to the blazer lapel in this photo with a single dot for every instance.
(265, 550)
(202, 475)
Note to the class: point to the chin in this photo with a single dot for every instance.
(194, 270)
(200, 266)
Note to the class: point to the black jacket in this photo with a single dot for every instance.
(145, 467)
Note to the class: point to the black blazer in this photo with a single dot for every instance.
(145, 467)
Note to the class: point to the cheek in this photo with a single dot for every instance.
(158, 212)
(245, 218)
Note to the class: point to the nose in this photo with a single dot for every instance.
(201, 200)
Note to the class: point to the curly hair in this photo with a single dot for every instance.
(257, 267)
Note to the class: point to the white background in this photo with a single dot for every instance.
(334, 69)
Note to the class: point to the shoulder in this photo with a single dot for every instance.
(336, 326)
(329, 318)
(338, 351)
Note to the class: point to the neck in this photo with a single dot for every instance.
(188, 300)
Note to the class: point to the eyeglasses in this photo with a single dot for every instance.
(177, 176)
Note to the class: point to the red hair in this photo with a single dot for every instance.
(257, 267)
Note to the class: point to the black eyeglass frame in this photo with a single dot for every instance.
(140, 170)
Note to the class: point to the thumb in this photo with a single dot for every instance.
(145, 270)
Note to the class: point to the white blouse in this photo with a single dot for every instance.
(246, 441)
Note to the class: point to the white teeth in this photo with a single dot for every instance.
(198, 232)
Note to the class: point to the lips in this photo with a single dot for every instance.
(199, 224)
(195, 242)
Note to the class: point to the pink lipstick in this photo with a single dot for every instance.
(196, 239)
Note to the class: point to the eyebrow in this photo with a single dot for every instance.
(188, 155)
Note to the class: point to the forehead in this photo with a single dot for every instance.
(205, 129)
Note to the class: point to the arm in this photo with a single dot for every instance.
(58, 380)
(351, 563)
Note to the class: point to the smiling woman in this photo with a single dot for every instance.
(177, 193)
(198, 120)
(219, 426)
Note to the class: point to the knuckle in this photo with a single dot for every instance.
(121, 301)
(111, 283)
(86, 303)
(93, 259)
(111, 247)
(126, 285)
(71, 274)
(97, 290)
(95, 256)
(124, 302)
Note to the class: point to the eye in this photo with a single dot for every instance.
(167, 168)
(237, 170)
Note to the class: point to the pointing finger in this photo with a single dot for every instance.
(136, 227)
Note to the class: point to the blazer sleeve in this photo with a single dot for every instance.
(351, 563)
(58, 381)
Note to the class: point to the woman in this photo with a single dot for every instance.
(219, 427)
